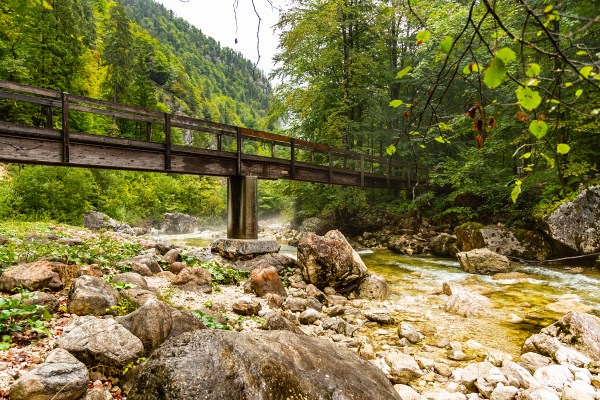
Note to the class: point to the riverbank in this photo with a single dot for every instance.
(412, 337)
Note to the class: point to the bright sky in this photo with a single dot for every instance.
(217, 20)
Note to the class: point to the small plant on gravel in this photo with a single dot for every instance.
(124, 306)
(210, 321)
(118, 285)
(17, 316)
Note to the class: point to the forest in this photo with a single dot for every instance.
(497, 100)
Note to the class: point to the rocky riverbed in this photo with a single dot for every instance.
(442, 336)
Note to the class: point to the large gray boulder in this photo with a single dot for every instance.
(443, 245)
(96, 341)
(38, 275)
(519, 243)
(193, 280)
(60, 377)
(373, 287)
(574, 335)
(151, 323)
(330, 261)
(268, 365)
(175, 223)
(90, 295)
(574, 227)
(484, 261)
(243, 249)
(96, 221)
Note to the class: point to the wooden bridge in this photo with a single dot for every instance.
(70, 130)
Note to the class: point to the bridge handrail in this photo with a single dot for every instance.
(70, 102)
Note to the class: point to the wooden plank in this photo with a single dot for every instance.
(116, 158)
(30, 89)
(29, 99)
(201, 123)
(198, 128)
(9, 129)
(86, 138)
(28, 150)
(203, 165)
(116, 106)
(65, 127)
(116, 114)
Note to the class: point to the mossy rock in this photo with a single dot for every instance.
(468, 236)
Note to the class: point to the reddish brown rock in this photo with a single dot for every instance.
(265, 281)
(194, 280)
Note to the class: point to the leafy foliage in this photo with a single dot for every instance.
(16, 315)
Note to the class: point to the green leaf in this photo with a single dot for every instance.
(539, 129)
(579, 93)
(396, 103)
(506, 54)
(586, 71)
(446, 44)
(445, 127)
(422, 146)
(405, 71)
(440, 139)
(548, 9)
(533, 70)
(527, 155)
(391, 150)
(528, 98)
(581, 53)
(516, 191)
(568, 84)
(563, 148)
(495, 73)
(423, 36)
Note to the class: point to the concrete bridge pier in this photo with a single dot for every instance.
(242, 207)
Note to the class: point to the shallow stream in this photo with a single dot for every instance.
(522, 306)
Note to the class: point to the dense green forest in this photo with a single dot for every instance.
(497, 100)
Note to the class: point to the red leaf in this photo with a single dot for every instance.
(470, 67)
(478, 125)
(471, 112)
(479, 140)
(492, 122)
(406, 114)
(419, 42)
(523, 117)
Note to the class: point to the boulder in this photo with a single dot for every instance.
(330, 261)
(151, 323)
(309, 316)
(279, 261)
(97, 221)
(373, 287)
(214, 364)
(193, 280)
(464, 302)
(92, 296)
(554, 376)
(144, 260)
(172, 256)
(574, 335)
(381, 316)
(246, 306)
(538, 393)
(406, 330)
(443, 245)
(316, 225)
(38, 275)
(44, 299)
(266, 280)
(402, 367)
(177, 223)
(131, 278)
(532, 361)
(574, 227)
(184, 321)
(277, 322)
(518, 376)
(176, 267)
(96, 341)
(406, 244)
(240, 248)
(407, 393)
(483, 261)
(60, 377)
(520, 243)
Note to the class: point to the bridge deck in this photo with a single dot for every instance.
(163, 142)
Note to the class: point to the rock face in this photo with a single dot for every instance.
(37, 275)
(101, 341)
(464, 302)
(330, 261)
(175, 223)
(213, 365)
(238, 248)
(151, 323)
(574, 227)
(96, 221)
(60, 377)
(483, 261)
(576, 331)
(520, 243)
(315, 225)
(91, 295)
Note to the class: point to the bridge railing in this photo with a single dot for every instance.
(73, 114)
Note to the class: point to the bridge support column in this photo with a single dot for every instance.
(242, 207)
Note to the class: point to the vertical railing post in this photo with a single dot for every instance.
(238, 166)
(65, 127)
(330, 165)
(167, 142)
(49, 121)
(148, 131)
(293, 157)
(272, 148)
(362, 170)
(219, 142)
